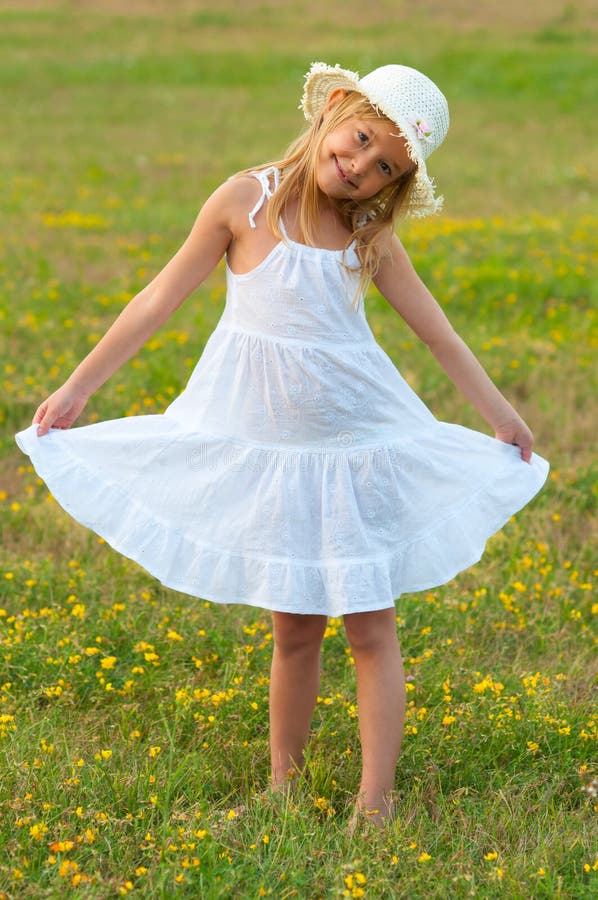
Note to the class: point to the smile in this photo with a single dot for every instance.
(342, 175)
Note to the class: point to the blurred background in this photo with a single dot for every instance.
(93, 85)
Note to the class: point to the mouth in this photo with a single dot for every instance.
(342, 175)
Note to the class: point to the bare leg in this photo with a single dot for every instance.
(381, 706)
(294, 685)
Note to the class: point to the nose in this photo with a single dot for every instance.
(360, 161)
(358, 164)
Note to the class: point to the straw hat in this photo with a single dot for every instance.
(408, 98)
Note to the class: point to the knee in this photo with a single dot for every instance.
(298, 634)
(370, 632)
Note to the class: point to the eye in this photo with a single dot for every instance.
(385, 168)
(363, 138)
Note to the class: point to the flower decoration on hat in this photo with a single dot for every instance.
(422, 129)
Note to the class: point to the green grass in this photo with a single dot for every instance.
(134, 718)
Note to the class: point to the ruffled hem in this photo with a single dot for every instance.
(179, 559)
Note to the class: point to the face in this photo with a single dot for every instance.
(360, 157)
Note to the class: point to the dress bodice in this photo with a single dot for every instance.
(298, 292)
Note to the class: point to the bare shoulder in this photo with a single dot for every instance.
(392, 255)
(390, 244)
(234, 192)
(245, 187)
(396, 274)
(239, 194)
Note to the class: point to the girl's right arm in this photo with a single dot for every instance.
(207, 242)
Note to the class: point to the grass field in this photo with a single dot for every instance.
(133, 719)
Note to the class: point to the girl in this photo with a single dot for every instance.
(297, 471)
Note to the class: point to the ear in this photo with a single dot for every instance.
(335, 98)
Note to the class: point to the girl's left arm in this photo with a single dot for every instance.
(400, 284)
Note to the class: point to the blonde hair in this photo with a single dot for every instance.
(366, 219)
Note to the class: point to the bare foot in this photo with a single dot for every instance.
(287, 781)
(377, 817)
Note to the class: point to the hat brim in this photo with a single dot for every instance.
(321, 81)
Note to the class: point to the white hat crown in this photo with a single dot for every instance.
(405, 96)
(412, 100)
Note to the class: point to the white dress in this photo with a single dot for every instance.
(297, 471)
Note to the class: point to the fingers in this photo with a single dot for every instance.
(44, 419)
(39, 419)
(39, 413)
(43, 426)
(525, 443)
(59, 410)
(526, 454)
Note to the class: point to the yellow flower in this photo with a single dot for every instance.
(62, 846)
(424, 857)
(38, 830)
(103, 754)
(73, 219)
(108, 662)
(67, 867)
(492, 855)
(356, 878)
(266, 839)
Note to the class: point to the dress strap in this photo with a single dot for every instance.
(264, 179)
(283, 229)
